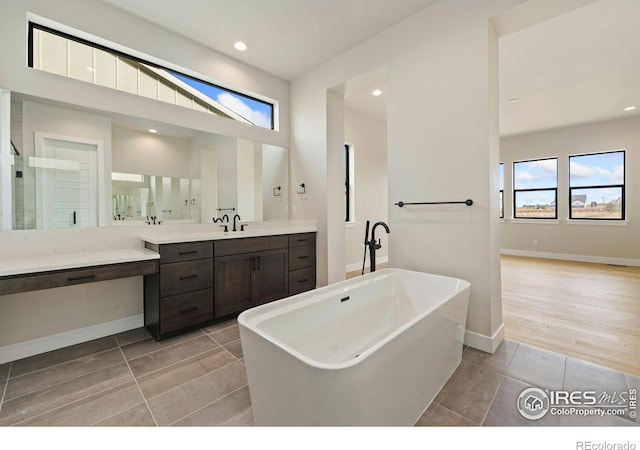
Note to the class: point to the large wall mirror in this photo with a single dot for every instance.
(73, 167)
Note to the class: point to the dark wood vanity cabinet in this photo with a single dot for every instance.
(180, 295)
(250, 272)
(200, 282)
(302, 262)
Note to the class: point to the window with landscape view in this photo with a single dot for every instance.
(535, 192)
(596, 186)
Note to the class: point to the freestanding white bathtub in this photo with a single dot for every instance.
(374, 350)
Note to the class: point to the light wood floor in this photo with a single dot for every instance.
(587, 311)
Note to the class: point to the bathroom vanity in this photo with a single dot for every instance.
(33, 274)
(211, 278)
(66, 286)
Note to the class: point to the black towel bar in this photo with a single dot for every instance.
(467, 202)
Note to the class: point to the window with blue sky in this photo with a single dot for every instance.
(596, 185)
(535, 192)
(256, 112)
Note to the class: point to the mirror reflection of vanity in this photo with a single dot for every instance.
(174, 175)
(153, 198)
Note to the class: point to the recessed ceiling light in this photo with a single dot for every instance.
(630, 108)
(514, 100)
(151, 130)
(240, 46)
(376, 92)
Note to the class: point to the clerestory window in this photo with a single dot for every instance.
(57, 52)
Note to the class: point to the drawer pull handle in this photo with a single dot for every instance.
(188, 277)
(188, 310)
(304, 280)
(190, 252)
(83, 278)
(303, 257)
(303, 240)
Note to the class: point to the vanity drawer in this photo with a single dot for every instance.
(46, 280)
(300, 257)
(249, 245)
(170, 253)
(177, 278)
(302, 239)
(185, 310)
(302, 280)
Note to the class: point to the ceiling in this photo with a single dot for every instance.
(284, 37)
(579, 67)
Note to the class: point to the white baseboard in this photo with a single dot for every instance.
(44, 344)
(569, 257)
(482, 342)
(358, 266)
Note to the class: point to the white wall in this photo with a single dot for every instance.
(149, 154)
(275, 172)
(368, 136)
(442, 145)
(227, 162)
(246, 182)
(578, 239)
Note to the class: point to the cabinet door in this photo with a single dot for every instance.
(233, 277)
(271, 276)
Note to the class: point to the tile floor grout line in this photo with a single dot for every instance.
(512, 356)
(564, 371)
(196, 378)
(114, 415)
(492, 400)
(233, 323)
(208, 404)
(70, 403)
(177, 362)
(452, 411)
(64, 381)
(160, 349)
(223, 346)
(229, 351)
(64, 362)
(138, 386)
(6, 385)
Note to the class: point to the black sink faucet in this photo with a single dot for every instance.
(234, 221)
(225, 217)
(373, 245)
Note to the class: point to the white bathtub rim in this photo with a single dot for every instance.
(244, 319)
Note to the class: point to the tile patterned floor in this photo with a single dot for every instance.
(199, 379)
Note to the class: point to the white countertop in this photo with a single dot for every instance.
(166, 235)
(33, 264)
(32, 251)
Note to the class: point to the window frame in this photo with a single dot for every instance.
(501, 168)
(30, 63)
(550, 189)
(349, 183)
(621, 186)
